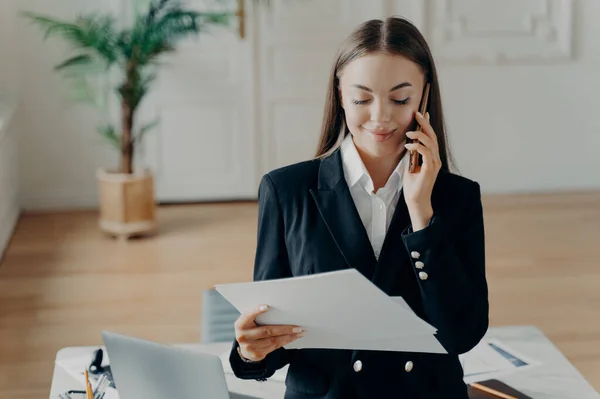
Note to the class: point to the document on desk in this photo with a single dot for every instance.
(492, 359)
(337, 310)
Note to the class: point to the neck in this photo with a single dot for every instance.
(380, 168)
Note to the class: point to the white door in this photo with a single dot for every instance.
(204, 145)
(298, 40)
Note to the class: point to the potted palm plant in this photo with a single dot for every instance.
(128, 56)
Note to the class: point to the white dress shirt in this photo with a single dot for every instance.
(375, 209)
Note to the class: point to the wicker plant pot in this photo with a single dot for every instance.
(127, 204)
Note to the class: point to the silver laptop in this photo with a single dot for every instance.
(148, 370)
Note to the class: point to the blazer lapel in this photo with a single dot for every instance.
(341, 217)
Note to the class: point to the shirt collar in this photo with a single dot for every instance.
(355, 170)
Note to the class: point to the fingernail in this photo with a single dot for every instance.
(427, 115)
(263, 308)
(297, 330)
(300, 335)
(420, 114)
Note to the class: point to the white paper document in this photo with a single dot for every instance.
(492, 359)
(337, 310)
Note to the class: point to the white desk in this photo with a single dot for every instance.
(556, 378)
(62, 381)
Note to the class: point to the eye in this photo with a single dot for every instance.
(359, 102)
(401, 102)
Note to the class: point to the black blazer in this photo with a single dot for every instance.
(308, 223)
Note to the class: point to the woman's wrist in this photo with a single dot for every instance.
(420, 217)
(244, 359)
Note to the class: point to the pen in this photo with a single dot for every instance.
(492, 391)
(88, 386)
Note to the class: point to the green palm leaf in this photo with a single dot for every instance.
(160, 36)
(94, 32)
(215, 18)
(110, 134)
(77, 61)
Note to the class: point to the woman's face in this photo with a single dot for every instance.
(380, 95)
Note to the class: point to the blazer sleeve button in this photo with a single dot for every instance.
(415, 254)
(357, 366)
(423, 275)
(408, 366)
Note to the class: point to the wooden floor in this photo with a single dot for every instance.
(62, 281)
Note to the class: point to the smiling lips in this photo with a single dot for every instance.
(381, 134)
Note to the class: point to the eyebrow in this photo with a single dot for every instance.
(398, 86)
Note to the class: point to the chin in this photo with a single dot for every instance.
(381, 146)
(378, 149)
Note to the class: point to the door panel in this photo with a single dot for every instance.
(204, 145)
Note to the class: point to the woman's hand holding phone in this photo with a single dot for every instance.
(256, 342)
(418, 185)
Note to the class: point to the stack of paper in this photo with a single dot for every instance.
(337, 310)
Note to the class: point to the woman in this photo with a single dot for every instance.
(418, 235)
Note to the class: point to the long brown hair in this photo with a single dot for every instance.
(393, 35)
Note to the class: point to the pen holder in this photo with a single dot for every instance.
(97, 370)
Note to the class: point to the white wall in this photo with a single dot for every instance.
(510, 122)
(530, 124)
(9, 183)
(8, 53)
(9, 179)
(60, 150)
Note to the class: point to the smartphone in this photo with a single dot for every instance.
(415, 157)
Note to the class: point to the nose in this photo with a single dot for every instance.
(381, 111)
